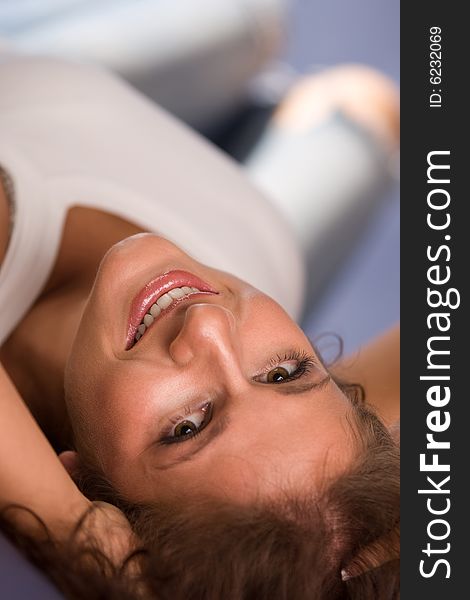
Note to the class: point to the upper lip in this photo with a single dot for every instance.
(155, 288)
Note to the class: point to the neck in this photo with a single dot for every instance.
(36, 353)
(35, 356)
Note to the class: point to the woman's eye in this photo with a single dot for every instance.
(190, 425)
(281, 373)
(186, 427)
(284, 371)
(286, 368)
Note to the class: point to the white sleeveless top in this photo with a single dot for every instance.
(75, 135)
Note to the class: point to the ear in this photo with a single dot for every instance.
(70, 461)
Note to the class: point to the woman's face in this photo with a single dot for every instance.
(222, 395)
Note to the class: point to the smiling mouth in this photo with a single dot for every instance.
(158, 298)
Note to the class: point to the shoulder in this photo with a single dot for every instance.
(45, 82)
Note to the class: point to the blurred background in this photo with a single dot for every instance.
(363, 297)
(222, 66)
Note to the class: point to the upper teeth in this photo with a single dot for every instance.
(162, 303)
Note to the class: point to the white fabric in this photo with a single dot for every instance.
(74, 135)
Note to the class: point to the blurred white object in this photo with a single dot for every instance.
(193, 57)
(327, 183)
(74, 135)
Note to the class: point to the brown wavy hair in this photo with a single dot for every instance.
(338, 545)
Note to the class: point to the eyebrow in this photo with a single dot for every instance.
(218, 428)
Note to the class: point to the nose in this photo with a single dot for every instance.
(208, 333)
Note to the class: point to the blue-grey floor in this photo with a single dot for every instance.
(363, 297)
(19, 580)
(329, 32)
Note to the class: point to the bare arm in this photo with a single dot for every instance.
(31, 475)
(376, 367)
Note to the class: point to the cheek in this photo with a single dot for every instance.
(109, 415)
(266, 329)
(122, 410)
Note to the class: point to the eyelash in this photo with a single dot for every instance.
(169, 439)
(305, 363)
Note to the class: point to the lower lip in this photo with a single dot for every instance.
(153, 290)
